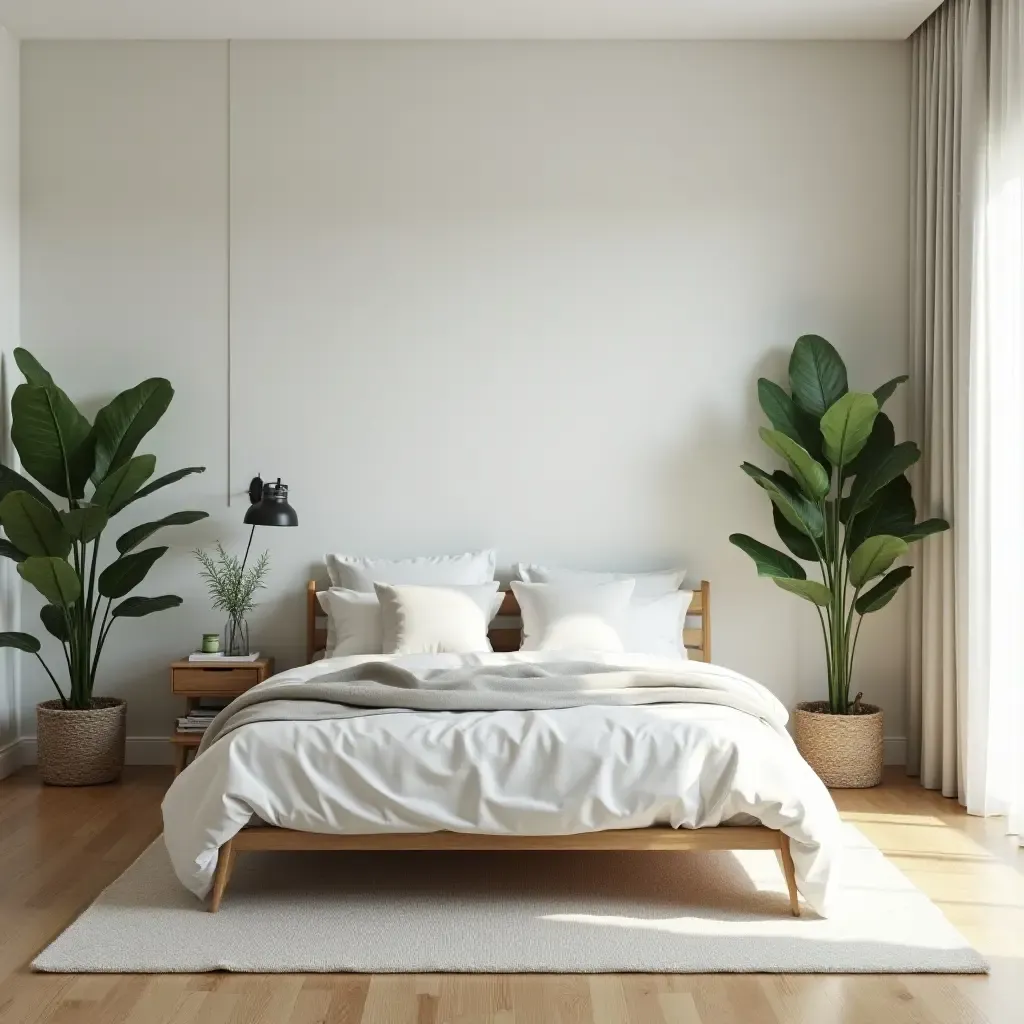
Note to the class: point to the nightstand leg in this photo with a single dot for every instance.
(180, 756)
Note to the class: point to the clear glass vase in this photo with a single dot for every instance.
(236, 637)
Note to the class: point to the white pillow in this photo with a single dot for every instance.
(354, 623)
(573, 617)
(355, 573)
(656, 626)
(436, 620)
(648, 584)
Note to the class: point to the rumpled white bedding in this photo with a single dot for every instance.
(538, 772)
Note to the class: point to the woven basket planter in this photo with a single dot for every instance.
(845, 751)
(80, 748)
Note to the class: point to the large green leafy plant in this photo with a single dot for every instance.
(845, 503)
(57, 549)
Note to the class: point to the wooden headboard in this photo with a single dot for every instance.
(504, 637)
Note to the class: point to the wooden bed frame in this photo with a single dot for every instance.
(507, 637)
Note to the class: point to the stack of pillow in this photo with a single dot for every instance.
(446, 604)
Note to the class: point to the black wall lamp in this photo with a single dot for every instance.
(268, 507)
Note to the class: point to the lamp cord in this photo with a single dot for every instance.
(247, 546)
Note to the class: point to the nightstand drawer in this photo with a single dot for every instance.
(213, 680)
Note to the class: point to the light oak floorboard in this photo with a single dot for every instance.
(60, 847)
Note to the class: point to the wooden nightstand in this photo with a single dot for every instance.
(196, 680)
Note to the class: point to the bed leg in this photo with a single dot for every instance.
(790, 872)
(225, 862)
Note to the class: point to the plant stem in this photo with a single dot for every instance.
(837, 681)
(99, 643)
(853, 648)
(63, 699)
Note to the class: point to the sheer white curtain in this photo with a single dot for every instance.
(967, 352)
(994, 762)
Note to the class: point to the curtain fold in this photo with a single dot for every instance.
(948, 101)
(967, 354)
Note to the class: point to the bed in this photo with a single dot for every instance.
(209, 810)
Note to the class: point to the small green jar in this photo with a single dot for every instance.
(211, 643)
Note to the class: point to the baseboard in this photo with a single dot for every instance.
(138, 750)
(11, 758)
(895, 749)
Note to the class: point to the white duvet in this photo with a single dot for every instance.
(535, 772)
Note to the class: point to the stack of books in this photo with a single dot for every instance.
(197, 720)
(221, 656)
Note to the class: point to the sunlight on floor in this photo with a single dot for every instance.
(959, 861)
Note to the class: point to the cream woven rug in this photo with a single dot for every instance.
(504, 913)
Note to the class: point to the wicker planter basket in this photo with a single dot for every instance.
(80, 748)
(844, 750)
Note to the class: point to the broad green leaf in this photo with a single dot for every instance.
(52, 438)
(883, 437)
(119, 486)
(20, 641)
(782, 413)
(136, 607)
(810, 590)
(925, 529)
(769, 561)
(81, 462)
(874, 557)
(163, 481)
(890, 511)
(886, 391)
(53, 578)
(846, 427)
(798, 511)
(796, 540)
(785, 415)
(127, 572)
(883, 591)
(31, 368)
(812, 478)
(55, 621)
(124, 422)
(8, 550)
(32, 527)
(895, 462)
(85, 523)
(11, 481)
(137, 534)
(817, 375)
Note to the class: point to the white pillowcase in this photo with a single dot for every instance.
(354, 573)
(573, 617)
(648, 584)
(355, 626)
(353, 622)
(656, 626)
(436, 620)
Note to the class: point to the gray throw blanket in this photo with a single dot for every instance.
(381, 687)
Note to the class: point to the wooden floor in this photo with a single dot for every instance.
(59, 848)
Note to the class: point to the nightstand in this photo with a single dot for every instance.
(196, 680)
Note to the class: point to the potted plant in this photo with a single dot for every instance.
(232, 590)
(845, 505)
(81, 737)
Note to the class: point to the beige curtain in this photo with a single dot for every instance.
(947, 131)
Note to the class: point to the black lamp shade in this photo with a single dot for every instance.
(273, 508)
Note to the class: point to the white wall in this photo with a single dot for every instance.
(10, 664)
(509, 294)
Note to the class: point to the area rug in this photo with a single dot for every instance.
(509, 913)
